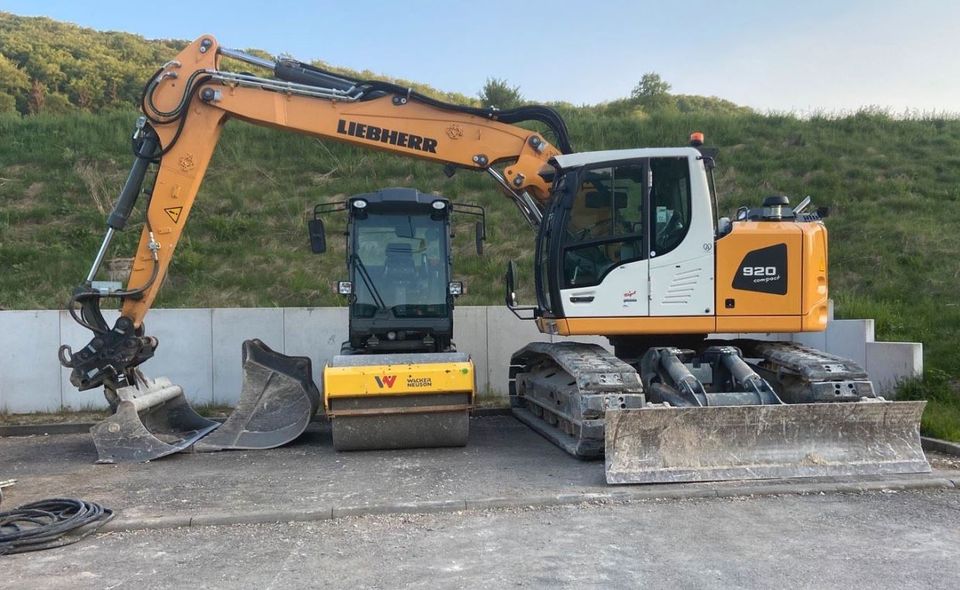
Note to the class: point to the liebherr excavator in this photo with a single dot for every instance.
(629, 246)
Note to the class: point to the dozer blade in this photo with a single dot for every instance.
(399, 401)
(668, 445)
(153, 419)
(277, 402)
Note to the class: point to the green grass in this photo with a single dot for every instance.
(941, 419)
(893, 187)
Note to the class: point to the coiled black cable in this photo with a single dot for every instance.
(50, 523)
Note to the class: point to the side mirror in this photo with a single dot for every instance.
(318, 238)
(510, 279)
(481, 236)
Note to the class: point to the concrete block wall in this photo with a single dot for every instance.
(200, 349)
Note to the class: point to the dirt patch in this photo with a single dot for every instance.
(943, 461)
(34, 190)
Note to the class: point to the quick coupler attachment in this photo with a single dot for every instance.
(108, 357)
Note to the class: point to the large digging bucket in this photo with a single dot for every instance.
(399, 401)
(153, 419)
(668, 445)
(277, 402)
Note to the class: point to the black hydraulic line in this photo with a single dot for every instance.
(50, 523)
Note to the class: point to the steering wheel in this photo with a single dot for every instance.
(674, 229)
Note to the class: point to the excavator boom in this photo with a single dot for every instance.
(185, 106)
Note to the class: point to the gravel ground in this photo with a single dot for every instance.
(878, 540)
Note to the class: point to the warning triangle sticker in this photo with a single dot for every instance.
(174, 213)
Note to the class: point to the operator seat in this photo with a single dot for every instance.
(398, 263)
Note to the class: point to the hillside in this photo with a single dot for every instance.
(893, 187)
(52, 67)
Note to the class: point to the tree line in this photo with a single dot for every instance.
(47, 66)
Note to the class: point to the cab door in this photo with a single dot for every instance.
(601, 249)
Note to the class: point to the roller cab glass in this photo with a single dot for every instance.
(399, 267)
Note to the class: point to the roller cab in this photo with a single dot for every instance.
(399, 381)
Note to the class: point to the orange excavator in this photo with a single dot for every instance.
(629, 245)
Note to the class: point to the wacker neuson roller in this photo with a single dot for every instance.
(398, 381)
(629, 245)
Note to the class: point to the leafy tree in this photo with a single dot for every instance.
(8, 104)
(13, 81)
(652, 92)
(651, 85)
(499, 94)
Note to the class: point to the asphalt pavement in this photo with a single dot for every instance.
(872, 540)
(505, 464)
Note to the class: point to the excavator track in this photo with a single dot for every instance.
(562, 391)
(801, 374)
(734, 424)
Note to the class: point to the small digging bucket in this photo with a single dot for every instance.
(277, 402)
(153, 419)
(671, 445)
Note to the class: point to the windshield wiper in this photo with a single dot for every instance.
(368, 281)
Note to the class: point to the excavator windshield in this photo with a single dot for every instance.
(400, 266)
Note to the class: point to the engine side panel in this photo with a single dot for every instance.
(760, 270)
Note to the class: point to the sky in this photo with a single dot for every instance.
(802, 57)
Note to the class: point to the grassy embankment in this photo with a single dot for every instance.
(893, 187)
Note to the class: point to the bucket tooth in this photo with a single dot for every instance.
(689, 444)
(152, 420)
(277, 402)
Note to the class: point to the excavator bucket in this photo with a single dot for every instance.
(277, 402)
(689, 444)
(153, 419)
(399, 401)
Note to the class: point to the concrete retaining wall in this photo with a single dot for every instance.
(200, 349)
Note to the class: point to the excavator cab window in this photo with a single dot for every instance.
(605, 223)
(670, 209)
